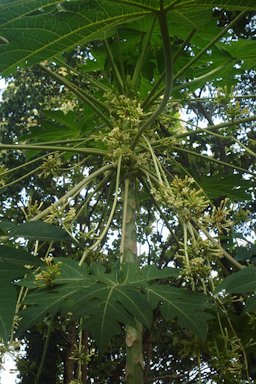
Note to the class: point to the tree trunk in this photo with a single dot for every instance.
(134, 368)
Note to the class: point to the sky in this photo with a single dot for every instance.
(2, 87)
(2, 83)
(8, 373)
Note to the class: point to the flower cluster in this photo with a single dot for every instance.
(187, 345)
(195, 264)
(220, 218)
(228, 360)
(232, 107)
(117, 138)
(183, 197)
(47, 276)
(68, 105)
(200, 249)
(196, 268)
(51, 166)
(32, 209)
(81, 355)
(61, 217)
(124, 108)
(119, 141)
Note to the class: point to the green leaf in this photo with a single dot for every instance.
(188, 307)
(245, 253)
(89, 296)
(60, 126)
(38, 230)
(244, 50)
(251, 304)
(18, 256)
(240, 282)
(8, 298)
(113, 299)
(9, 272)
(5, 226)
(134, 275)
(116, 304)
(37, 30)
(232, 186)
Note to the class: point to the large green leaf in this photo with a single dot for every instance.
(240, 282)
(188, 307)
(8, 298)
(243, 50)
(9, 272)
(232, 186)
(58, 125)
(32, 31)
(246, 253)
(37, 30)
(113, 299)
(89, 296)
(18, 256)
(38, 230)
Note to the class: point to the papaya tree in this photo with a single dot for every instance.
(107, 160)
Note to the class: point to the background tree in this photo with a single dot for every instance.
(110, 159)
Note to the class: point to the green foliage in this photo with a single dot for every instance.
(104, 152)
(232, 186)
(38, 230)
(240, 282)
(18, 256)
(113, 298)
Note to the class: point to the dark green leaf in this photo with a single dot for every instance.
(232, 186)
(240, 282)
(245, 253)
(18, 256)
(188, 307)
(9, 272)
(133, 275)
(38, 230)
(8, 298)
(114, 299)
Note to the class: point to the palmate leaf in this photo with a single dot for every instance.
(39, 230)
(240, 282)
(58, 125)
(18, 256)
(8, 296)
(8, 299)
(188, 307)
(33, 31)
(37, 30)
(12, 267)
(99, 297)
(114, 299)
(232, 186)
(242, 50)
(113, 305)
(246, 253)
